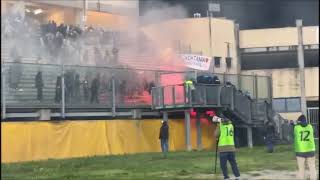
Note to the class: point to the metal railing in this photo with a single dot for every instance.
(66, 87)
(257, 87)
(313, 118)
(211, 96)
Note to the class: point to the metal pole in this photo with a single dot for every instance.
(3, 91)
(199, 143)
(256, 86)
(173, 96)
(157, 78)
(62, 94)
(232, 98)
(270, 88)
(236, 31)
(84, 9)
(113, 97)
(228, 55)
(301, 67)
(249, 136)
(216, 157)
(162, 96)
(165, 116)
(219, 95)
(187, 129)
(210, 33)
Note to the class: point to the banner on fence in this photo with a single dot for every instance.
(196, 61)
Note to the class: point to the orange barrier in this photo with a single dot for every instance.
(29, 141)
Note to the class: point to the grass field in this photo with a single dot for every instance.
(178, 165)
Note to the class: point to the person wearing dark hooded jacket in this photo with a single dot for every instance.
(39, 85)
(304, 146)
(164, 136)
(58, 94)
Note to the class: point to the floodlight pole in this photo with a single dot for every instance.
(301, 67)
(84, 15)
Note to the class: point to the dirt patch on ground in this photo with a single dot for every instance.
(253, 175)
(269, 174)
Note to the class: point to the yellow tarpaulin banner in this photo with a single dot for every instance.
(27, 141)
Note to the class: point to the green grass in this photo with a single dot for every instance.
(148, 165)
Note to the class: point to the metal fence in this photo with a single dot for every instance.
(212, 96)
(313, 118)
(257, 87)
(65, 87)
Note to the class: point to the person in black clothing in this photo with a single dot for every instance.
(164, 136)
(57, 97)
(85, 85)
(69, 84)
(151, 85)
(95, 89)
(216, 80)
(269, 135)
(39, 85)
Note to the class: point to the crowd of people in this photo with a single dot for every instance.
(71, 41)
(65, 43)
(96, 88)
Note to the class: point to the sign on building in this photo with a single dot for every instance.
(196, 61)
(214, 7)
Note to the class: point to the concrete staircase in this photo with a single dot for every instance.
(27, 92)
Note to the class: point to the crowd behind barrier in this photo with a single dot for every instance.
(62, 43)
(84, 85)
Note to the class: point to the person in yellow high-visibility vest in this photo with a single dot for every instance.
(189, 87)
(226, 147)
(304, 148)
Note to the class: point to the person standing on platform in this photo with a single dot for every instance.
(39, 85)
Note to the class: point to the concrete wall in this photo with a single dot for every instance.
(285, 82)
(277, 37)
(195, 32)
(63, 15)
(112, 6)
(291, 116)
(107, 20)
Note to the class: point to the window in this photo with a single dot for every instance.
(293, 104)
(279, 105)
(286, 104)
(217, 61)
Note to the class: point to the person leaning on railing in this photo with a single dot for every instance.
(189, 87)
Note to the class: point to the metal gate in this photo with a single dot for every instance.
(313, 118)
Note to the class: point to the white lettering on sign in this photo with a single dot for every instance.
(196, 61)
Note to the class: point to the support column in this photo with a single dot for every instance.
(165, 116)
(62, 94)
(236, 34)
(84, 11)
(199, 133)
(249, 137)
(301, 67)
(3, 91)
(113, 97)
(44, 114)
(187, 128)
